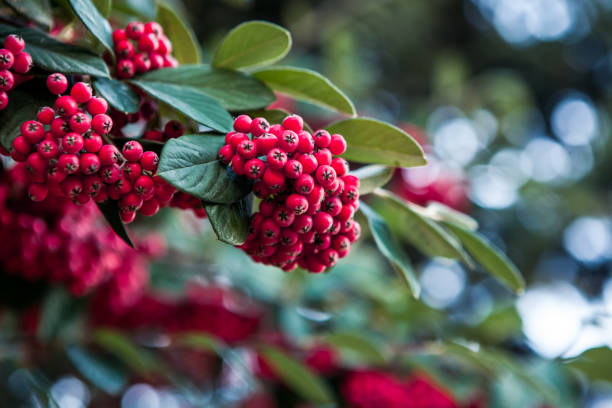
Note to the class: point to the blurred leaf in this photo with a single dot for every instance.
(95, 22)
(100, 371)
(373, 176)
(104, 7)
(110, 211)
(236, 91)
(501, 324)
(37, 10)
(188, 100)
(441, 212)
(425, 234)
(376, 142)
(253, 43)
(306, 85)
(122, 347)
(490, 257)
(200, 341)
(391, 249)
(298, 377)
(54, 56)
(118, 94)
(24, 104)
(59, 313)
(230, 221)
(595, 363)
(190, 163)
(184, 44)
(359, 344)
(145, 9)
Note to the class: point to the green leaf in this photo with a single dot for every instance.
(184, 45)
(251, 44)
(104, 7)
(37, 10)
(595, 363)
(54, 56)
(373, 141)
(118, 94)
(110, 210)
(60, 312)
(145, 9)
(391, 249)
(372, 177)
(298, 377)
(235, 90)
(121, 347)
(230, 221)
(190, 163)
(190, 101)
(489, 257)
(359, 344)
(23, 105)
(441, 212)
(306, 85)
(95, 22)
(102, 372)
(424, 233)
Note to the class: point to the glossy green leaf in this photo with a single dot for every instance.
(391, 249)
(110, 211)
(441, 212)
(235, 90)
(118, 94)
(190, 163)
(230, 221)
(298, 377)
(122, 347)
(251, 44)
(95, 22)
(595, 363)
(189, 100)
(358, 344)
(372, 177)
(376, 142)
(102, 372)
(306, 85)
(104, 7)
(54, 56)
(491, 258)
(37, 10)
(422, 232)
(184, 43)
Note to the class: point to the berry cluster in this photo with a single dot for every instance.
(65, 154)
(13, 62)
(141, 48)
(309, 199)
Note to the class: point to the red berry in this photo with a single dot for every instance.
(350, 194)
(68, 163)
(92, 185)
(237, 165)
(332, 206)
(254, 168)
(173, 129)
(48, 149)
(288, 141)
(149, 207)
(154, 135)
(153, 27)
(236, 138)
(322, 138)
(32, 131)
(337, 146)
(127, 216)
(131, 171)
(21, 145)
(132, 151)
(57, 83)
(109, 155)
(247, 149)
(288, 237)
(269, 229)
(81, 92)
(7, 81)
(102, 124)
(125, 68)
(36, 164)
(293, 169)
(110, 174)
(165, 46)
(79, 122)
(134, 30)
(283, 216)
(322, 222)
(351, 180)
(45, 115)
(23, 63)
(7, 59)
(226, 153)
(124, 49)
(130, 202)
(309, 163)
(97, 105)
(89, 163)
(316, 195)
(149, 161)
(340, 165)
(273, 179)
(4, 100)
(54, 174)
(170, 61)
(265, 143)
(142, 63)
(72, 143)
(66, 106)
(148, 42)
(144, 186)
(276, 159)
(276, 130)
(243, 124)
(304, 184)
(157, 61)
(305, 142)
(302, 224)
(72, 186)
(14, 43)
(260, 189)
(323, 156)
(297, 203)
(119, 35)
(38, 192)
(294, 123)
(259, 126)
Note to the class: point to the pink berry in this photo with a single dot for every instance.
(125, 68)
(148, 42)
(97, 106)
(14, 43)
(288, 141)
(149, 161)
(48, 149)
(323, 156)
(265, 143)
(45, 115)
(72, 143)
(7, 80)
(102, 124)
(66, 106)
(79, 122)
(57, 83)
(32, 131)
(259, 126)
(68, 163)
(7, 59)
(134, 30)
(243, 124)
(304, 184)
(340, 165)
(337, 145)
(297, 203)
(293, 169)
(309, 163)
(305, 142)
(322, 138)
(254, 168)
(273, 179)
(23, 63)
(38, 192)
(276, 159)
(92, 142)
(294, 123)
(109, 155)
(81, 92)
(132, 151)
(89, 163)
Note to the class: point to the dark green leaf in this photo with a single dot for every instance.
(252, 44)
(190, 101)
(490, 257)
(110, 210)
(359, 344)
(118, 94)
(372, 177)
(184, 45)
(190, 163)
(37, 10)
(95, 22)
(422, 232)
(103, 6)
(54, 56)
(373, 141)
(102, 372)
(391, 249)
(60, 312)
(441, 212)
(595, 363)
(121, 347)
(306, 85)
(298, 377)
(230, 221)
(236, 91)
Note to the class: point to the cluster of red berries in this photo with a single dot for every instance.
(141, 48)
(13, 62)
(59, 242)
(65, 154)
(309, 199)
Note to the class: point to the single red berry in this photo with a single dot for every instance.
(130, 202)
(127, 216)
(170, 61)
(314, 266)
(259, 126)
(293, 169)
(302, 224)
(57, 83)
(32, 131)
(21, 145)
(79, 122)
(350, 194)
(149, 207)
(254, 168)
(340, 165)
(45, 115)
(110, 174)
(173, 129)
(36, 164)
(247, 149)
(7, 59)
(7, 80)
(68, 163)
(144, 186)
(124, 49)
(346, 213)
(260, 189)
(322, 138)
(288, 141)
(38, 192)
(121, 187)
(322, 222)
(304, 184)
(132, 151)
(134, 30)
(142, 63)
(294, 123)
(332, 206)
(14, 43)
(269, 229)
(131, 171)
(125, 68)
(89, 163)
(97, 106)
(283, 216)
(92, 142)
(226, 153)
(351, 180)
(119, 35)
(165, 46)
(81, 92)
(54, 174)
(4, 100)
(102, 124)
(92, 185)
(277, 130)
(237, 164)
(265, 143)
(243, 124)
(72, 186)
(276, 159)
(273, 179)
(66, 106)
(109, 155)
(157, 61)
(149, 161)
(148, 42)
(297, 203)
(316, 196)
(72, 143)
(305, 142)
(309, 163)
(48, 149)
(23, 63)
(153, 27)
(288, 237)
(337, 145)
